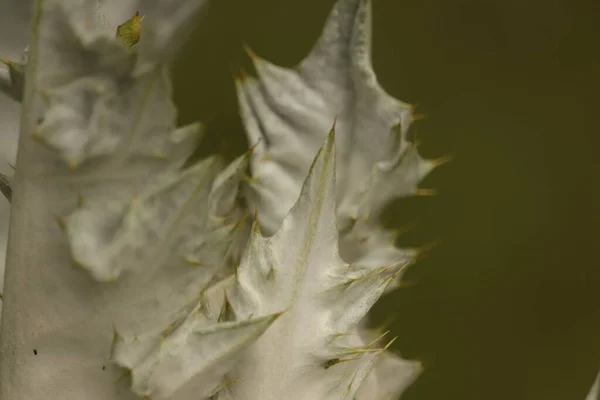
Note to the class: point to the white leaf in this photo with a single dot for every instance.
(159, 233)
(287, 113)
(312, 351)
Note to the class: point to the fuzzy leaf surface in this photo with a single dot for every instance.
(287, 112)
(100, 150)
(312, 351)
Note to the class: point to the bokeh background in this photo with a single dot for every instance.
(507, 306)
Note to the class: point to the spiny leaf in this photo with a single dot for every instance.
(12, 84)
(320, 294)
(131, 213)
(287, 112)
(192, 361)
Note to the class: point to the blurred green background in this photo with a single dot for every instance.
(508, 306)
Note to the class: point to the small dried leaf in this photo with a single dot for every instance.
(129, 31)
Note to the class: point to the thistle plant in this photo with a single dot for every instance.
(135, 273)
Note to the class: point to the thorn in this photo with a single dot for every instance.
(393, 277)
(441, 160)
(407, 227)
(332, 130)
(414, 106)
(384, 325)
(253, 147)
(378, 338)
(239, 75)
(426, 248)
(419, 117)
(425, 192)
(235, 75)
(389, 343)
(251, 54)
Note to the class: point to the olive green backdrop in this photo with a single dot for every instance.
(508, 305)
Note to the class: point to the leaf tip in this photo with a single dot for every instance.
(4, 59)
(252, 148)
(239, 76)
(332, 130)
(425, 192)
(441, 160)
(424, 250)
(251, 54)
(418, 116)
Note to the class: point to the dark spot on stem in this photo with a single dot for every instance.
(35, 352)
